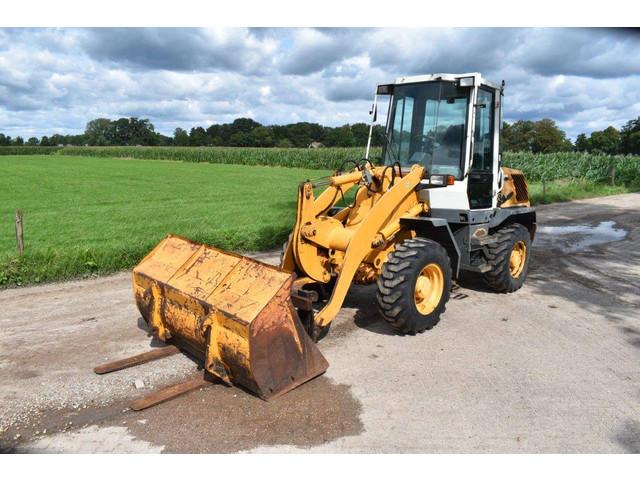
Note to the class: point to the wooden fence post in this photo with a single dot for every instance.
(612, 172)
(19, 234)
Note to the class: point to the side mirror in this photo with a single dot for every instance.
(374, 112)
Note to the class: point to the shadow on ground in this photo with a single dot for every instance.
(629, 436)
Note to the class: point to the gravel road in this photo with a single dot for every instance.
(554, 367)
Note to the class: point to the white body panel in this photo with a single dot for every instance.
(452, 197)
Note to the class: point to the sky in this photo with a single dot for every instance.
(56, 80)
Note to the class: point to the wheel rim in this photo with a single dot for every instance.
(428, 290)
(517, 259)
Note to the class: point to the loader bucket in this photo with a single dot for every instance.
(232, 312)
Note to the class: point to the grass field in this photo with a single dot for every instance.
(89, 215)
(565, 190)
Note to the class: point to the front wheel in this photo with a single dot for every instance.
(508, 256)
(414, 286)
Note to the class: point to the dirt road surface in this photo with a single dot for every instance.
(554, 367)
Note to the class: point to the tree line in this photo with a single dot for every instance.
(542, 136)
(242, 132)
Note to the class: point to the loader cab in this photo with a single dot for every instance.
(449, 124)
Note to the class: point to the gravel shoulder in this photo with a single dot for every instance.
(554, 367)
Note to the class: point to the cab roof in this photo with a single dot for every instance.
(452, 77)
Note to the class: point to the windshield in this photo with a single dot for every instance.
(427, 125)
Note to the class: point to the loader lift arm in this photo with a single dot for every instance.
(314, 232)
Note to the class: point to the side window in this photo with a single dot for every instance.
(483, 137)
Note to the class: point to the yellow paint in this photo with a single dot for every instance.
(209, 299)
(509, 189)
(429, 288)
(517, 259)
(353, 177)
(388, 206)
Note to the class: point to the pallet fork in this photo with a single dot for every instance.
(163, 394)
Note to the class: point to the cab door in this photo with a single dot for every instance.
(480, 183)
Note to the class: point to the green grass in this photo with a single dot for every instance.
(564, 190)
(88, 215)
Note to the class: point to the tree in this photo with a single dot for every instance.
(44, 142)
(33, 142)
(360, 133)
(341, 137)
(630, 137)
(198, 136)
(261, 137)
(56, 139)
(18, 141)
(378, 136)
(548, 138)
(582, 143)
(164, 140)
(240, 139)
(100, 132)
(133, 131)
(244, 125)
(606, 141)
(5, 141)
(284, 143)
(518, 137)
(301, 134)
(180, 137)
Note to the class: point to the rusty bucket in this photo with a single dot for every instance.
(232, 312)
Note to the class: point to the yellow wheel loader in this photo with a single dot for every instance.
(437, 203)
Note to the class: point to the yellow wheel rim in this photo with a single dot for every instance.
(428, 290)
(517, 259)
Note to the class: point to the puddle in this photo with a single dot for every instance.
(576, 238)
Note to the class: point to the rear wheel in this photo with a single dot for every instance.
(414, 286)
(509, 258)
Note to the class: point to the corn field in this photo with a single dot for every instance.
(616, 169)
(314, 158)
(28, 150)
(619, 169)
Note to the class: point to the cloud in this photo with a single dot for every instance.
(55, 80)
(314, 50)
(180, 49)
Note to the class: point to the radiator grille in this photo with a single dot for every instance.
(520, 184)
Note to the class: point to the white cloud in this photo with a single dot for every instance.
(55, 80)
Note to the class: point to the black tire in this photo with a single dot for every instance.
(500, 278)
(397, 283)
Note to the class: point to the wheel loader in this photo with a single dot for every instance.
(437, 204)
